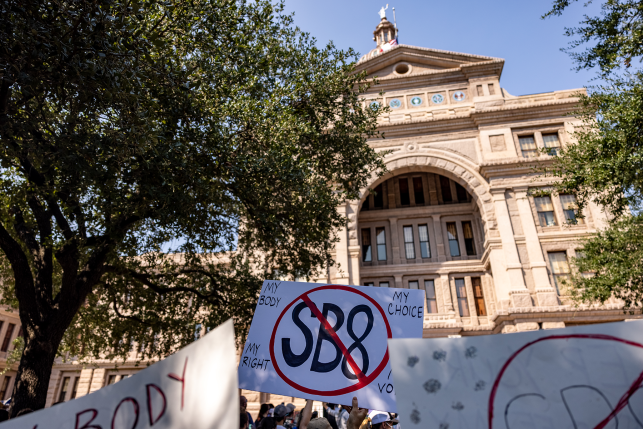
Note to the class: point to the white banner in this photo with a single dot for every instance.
(194, 388)
(328, 342)
(581, 377)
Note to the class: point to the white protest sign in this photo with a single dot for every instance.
(581, 377)
(328, 342)
(194, 388)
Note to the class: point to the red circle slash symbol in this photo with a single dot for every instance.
(363, 379)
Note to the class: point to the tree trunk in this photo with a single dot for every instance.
(32, 380)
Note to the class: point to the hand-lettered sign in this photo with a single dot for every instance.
(328, 342)
(195, 388)
(580, 377)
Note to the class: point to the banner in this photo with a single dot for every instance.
(580, 377)
(194, 388)
(328, 342)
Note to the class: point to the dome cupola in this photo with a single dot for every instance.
(385, 31)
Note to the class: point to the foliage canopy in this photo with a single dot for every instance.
(158, 158)
(606, 165)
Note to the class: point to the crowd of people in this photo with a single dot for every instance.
(285, 416)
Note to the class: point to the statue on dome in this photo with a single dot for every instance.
(382, 12)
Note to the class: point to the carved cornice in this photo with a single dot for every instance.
(474, 118)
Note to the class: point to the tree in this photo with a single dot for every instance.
(607, 163)
(158, 158)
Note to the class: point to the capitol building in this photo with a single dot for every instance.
(462, 212)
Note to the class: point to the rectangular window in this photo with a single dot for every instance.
(378, 198)
(492, 89)
(7, 337)
(409, 246)
(5, 387)
(425, 249)
(366, 245)
(570, 208)
(418, 190)
(481, 309)
(551, 143)
(405, 197)
(461, 292)
(380, 236)
(111, 379)
(559, 268)
(369, 284)
(445, 187)
(452, 234)
(528, 146)
(413, 284)
(63, 389)
(545, 211)
(384, 284)
(469, 243)
(74, 391)
(431, 301)
(479, 90)
(462, 194)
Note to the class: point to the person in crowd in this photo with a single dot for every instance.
(355, 419)
(315, 415)
(331, 414)
(290, 418)
(281, 412)
(394, 416)
(305, 415)
(263, 412)
(382, 420)
(271, 410)
(243, 402)
(243, 421)
(342, 416)
(4, 415)
(268, 423)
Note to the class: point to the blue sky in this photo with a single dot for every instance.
(509, 29)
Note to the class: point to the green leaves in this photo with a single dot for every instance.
(213, 131)
(616, 37)
(606, 163)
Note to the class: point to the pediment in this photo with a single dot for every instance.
(420, 61)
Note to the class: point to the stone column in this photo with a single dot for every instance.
(353, 259)
(446, 293)
(395, 241)
(341, 252)
(85, 382)
(398, 281)
(354, 250)
(52, 390)
(98, 379)
(546, 294)
(439, 239)
(518, 291)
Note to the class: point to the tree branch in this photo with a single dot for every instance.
(122, 316)
(24, 284)
(146, 280)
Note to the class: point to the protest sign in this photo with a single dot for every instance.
(580, 377)
(328, 342)
(194, 388)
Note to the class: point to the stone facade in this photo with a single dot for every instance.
(455, 214)
(462, 211)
